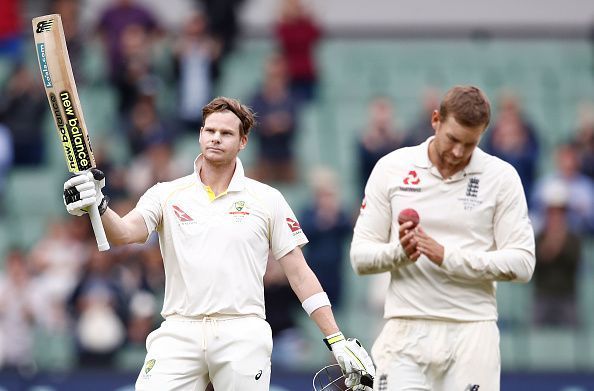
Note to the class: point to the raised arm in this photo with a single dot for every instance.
(124, 230)
(84, 190)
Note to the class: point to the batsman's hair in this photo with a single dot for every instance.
(244, 113)
(468, 105)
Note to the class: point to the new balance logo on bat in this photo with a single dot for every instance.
(44, 25)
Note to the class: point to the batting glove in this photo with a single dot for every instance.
(82, 191)
(352, 358)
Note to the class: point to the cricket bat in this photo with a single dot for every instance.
(65, 106)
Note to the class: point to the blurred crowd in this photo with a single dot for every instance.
(110, 301)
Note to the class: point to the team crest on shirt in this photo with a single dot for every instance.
(239, 210)
(470, 199)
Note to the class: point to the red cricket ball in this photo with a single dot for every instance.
(408, 214)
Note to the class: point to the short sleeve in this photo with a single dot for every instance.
(149, 206)
(286, 232)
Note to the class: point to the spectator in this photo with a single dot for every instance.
(223, 25)
(298, 34)
(142, 310)
(145, 128)
(379, 138)
(558, 252)
(514, 139)
(155, 164)
(98, 307)
(69, 11)
(57, 259)
(584, 139)
(580, 206)
(276, 110)
(421, 130)
(136, 79)
(22, 107)
(118, 17)
(11, 30)
(281, 307)
(16, 313)
(6, 158)
(328, 227)
(194, 53)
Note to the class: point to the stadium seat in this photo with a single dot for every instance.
(556, 349)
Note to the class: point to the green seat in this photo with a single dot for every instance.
(514, 350)
(34, 193)
(514, 302)
(554, 349)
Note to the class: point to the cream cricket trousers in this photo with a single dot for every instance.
(432, 355)
(187, 353)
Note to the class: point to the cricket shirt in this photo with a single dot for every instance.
(215, 249)
(479, 215)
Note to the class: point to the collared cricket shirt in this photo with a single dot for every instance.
(480, 217)
(215, 249)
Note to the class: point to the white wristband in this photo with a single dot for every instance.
(315, 301)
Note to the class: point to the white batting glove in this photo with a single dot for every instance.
(353, 360)
(82, 191)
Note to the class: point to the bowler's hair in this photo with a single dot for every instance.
(244, 113)
(468, 105)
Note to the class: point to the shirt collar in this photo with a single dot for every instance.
(237, 181)
(475, 166)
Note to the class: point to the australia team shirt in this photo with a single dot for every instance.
(215, 249)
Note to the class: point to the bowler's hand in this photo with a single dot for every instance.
(427, 246)
(408, 241)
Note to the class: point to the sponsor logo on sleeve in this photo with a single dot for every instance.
(294, 226)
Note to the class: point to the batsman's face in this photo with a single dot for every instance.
(454, 143)
(220, 139)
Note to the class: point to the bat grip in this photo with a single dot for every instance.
(102, 243)
(367, 380)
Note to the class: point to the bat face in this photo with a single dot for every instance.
(56, 72)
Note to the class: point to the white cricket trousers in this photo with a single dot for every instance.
(186, 353)
(432, 355)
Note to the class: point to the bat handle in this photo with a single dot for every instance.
(102, 243)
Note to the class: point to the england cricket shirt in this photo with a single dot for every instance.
(480, 217)
(215, 249)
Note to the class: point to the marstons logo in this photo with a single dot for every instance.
(181, 215)
(293, 225)
(44, 26)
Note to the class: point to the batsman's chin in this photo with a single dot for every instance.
(216, 157)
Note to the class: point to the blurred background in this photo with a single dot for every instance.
(336, 85)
